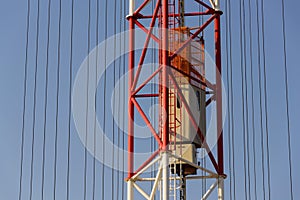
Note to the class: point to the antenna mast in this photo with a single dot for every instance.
(183, 96)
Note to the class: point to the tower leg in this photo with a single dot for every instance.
(129, 190)
(220, 188)
(165, 98)
(165, 179)
(130, 103)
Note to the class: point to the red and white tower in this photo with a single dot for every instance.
(184, 94)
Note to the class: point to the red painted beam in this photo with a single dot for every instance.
(147, 161)
(148, 123)
(211, 99)
(165, 62)
(143, 55)
(141, 7)
(205, 83)
(193, 36)
(146, 31)
(219, 93)
(147, 80)
(145, 95)
(130, 103)
(191, 14)
(194, 123)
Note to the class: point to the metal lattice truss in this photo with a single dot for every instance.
(162, 157)
(160, 163)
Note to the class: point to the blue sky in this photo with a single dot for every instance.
(12, 56)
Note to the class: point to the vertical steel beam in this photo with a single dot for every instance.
(219, 93)
(165, 96)
(181, 12)
(130, 189)
(165, 176)
(217, 5)
(165, 76)
(131, 7)
(221, 188)
(219, 105)
(130, 103)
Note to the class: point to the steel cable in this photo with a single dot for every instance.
(243, 97)
(95, 103)
(287, 98)
(34, 99)
(119, 103)
(24, 100)
(252, 97)
(232, 101)
(87, 100)
(70, 99)
(246, 101)
(228, 96)
(46, 97)
(260, 96)
(244, 130)
(114, 104)
(266, 98)
(57, 99)
(104, 98)
(124, 98)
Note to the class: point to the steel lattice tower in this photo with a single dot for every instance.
(174, 40)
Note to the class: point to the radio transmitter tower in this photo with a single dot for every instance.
(184, 93)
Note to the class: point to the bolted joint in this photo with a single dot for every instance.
(220, 12)
(128, 17)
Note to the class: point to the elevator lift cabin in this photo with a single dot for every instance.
(184, 139)
(182, 94)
